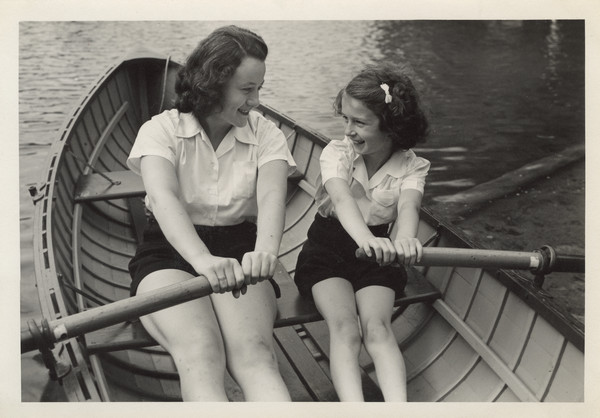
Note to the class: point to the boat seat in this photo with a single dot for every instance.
(125, 184)
(292, 310)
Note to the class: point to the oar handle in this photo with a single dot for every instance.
(536, 261)
(50, 332)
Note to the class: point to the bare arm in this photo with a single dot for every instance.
(353, 222)
(408, 247)
(271, 189)
(161, 184)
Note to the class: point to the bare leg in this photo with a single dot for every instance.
(247, 327)
(334, 298)
(375, 304)
(190, 333)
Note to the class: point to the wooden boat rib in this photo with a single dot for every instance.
(491, 335)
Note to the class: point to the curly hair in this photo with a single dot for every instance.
(211, 65)
(403, 119)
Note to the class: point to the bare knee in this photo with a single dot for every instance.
(377, 333)
(251, 354)
(199, 352)
(345, 331)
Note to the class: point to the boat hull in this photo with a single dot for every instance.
(492, 336)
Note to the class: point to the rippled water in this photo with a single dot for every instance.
(500, 93)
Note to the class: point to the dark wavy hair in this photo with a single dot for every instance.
(211, 65)
(403, 119)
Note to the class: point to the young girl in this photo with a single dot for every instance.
(215, 176)
(369, 179)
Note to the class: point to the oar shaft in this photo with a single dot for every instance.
(535, 261)
(467, 257)
(119, 311)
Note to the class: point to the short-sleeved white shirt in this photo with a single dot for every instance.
(215, 187)
(377, 197)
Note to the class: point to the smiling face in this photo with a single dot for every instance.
(362, 128)
(240, 94)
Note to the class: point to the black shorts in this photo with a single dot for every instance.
(330, 252)
(156, 253)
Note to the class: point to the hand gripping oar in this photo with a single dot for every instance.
(43, 336)
(539, 262)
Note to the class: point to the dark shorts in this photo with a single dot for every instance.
(330, 252)
(156, 253)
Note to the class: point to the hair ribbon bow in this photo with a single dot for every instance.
(386, 89)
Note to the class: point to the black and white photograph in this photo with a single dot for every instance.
(301, 207)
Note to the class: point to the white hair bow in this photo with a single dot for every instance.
(386, 89)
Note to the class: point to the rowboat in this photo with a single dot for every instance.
(472, 326)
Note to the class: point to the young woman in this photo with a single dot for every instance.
(369, 179)
(215, 175)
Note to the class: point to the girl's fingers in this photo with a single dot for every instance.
(367, 249)
(384, 250)
(214, 281)
(378, 253)
(230, 276)
(419, 251)
(247, 268)
(256, 267)
(238, 272)
(409, 251)
(391, 252)
(412, 252)
(400, 252)
(265, 268)
(272, 267)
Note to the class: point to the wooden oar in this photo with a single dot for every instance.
(113, 313)
(542, 261)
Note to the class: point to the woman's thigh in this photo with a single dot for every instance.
(183, 324)
(251, 315)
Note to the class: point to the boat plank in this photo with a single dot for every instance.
(487, 307)
(293, 382)
(124, 80)
(433, 340)
(507, 396)
(480, 384)
(512, 330)
(512, 380)
(451, 369)
(540, 357)
(567, 385)
(315, 379)
(136, 374)
(319, 333)
(460, 292)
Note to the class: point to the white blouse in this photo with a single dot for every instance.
(215, 187)
(377, 197)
